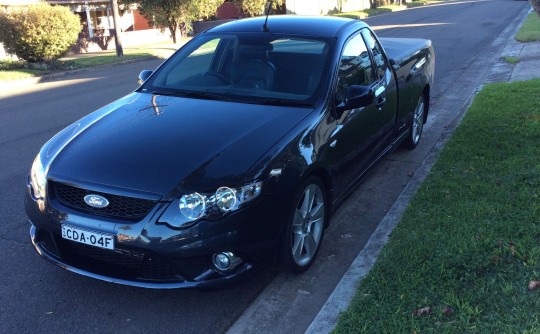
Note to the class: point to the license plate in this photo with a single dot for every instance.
(84, 236)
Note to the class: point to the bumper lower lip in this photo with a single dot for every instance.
(150, 285)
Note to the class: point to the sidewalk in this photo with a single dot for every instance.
(527, 68)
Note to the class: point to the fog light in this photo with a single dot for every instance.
(226, 261)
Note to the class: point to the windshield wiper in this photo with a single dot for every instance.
(187, 93)
(165, 93)
(227, 97)
(282, 102)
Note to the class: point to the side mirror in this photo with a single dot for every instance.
(144, 75)
(394, 64)
(359, 96)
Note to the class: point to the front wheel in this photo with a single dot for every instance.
(304, 231)
(417, 124)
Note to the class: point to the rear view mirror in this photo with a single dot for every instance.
(144, 75)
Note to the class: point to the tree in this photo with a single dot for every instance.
(163, 13)
(177, 14)
(206, 9)
(257, 7)
(40, 32)
(536, 5)
(116, 20)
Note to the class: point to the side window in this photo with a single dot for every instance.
(354, 67)
(377, 52)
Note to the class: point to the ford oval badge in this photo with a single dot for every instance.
(96, 201)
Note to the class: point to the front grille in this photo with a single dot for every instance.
(122, 207)
(122, 263)
(127, 258)
(139, 264)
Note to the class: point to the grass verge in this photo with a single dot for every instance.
(530, 30)
(380, 10)
(511, 60)
(467, 248)
(15, 70)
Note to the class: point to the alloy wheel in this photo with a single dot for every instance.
(308, 225)
(418, 122)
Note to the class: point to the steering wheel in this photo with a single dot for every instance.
(224, 80)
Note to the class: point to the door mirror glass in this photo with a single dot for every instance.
(144, 75)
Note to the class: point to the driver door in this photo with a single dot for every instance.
(360, 132)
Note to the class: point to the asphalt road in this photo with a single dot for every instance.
(37, 296)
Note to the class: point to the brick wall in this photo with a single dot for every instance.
(228, 11)
(140, 22)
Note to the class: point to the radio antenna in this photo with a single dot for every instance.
(267, 9)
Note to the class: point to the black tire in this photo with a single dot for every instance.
(304, 231)
(417, 123)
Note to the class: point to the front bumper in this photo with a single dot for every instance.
(169, 280)
(150, 254)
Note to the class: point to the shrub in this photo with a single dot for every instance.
(38, 33)
(536, 5)
(256, 7)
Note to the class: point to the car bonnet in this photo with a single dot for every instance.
(160, 144)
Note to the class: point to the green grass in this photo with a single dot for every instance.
(470, 239)
(511, 60)
(9, 75)
(380, 10)
(103, 59)
(530, 30)
(15, 70)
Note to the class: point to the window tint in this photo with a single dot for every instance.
(252, 67)
(197, 63)
(299, 46)
(355, 66)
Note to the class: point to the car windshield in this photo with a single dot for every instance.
(259, 68)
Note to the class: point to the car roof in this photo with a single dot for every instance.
(323, 26)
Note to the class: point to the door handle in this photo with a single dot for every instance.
(381, 102)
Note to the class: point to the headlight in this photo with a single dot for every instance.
(194, 206)
(226, 199)
(38, 181)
